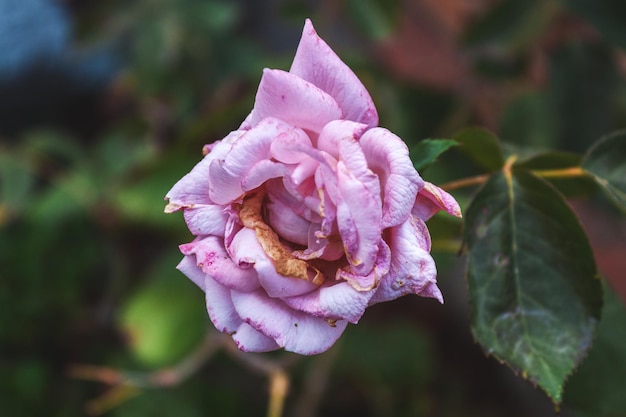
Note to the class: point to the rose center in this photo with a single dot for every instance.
(250, 214)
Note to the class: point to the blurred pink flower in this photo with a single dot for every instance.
(308, 213)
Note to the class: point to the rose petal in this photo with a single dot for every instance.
(227, 173)
(263, 171)
(287, 146)
(189, 267)
(289, 196)
(206, 219)
(432, 199)
(335, 131)
(371, 280)
(286, 222)
(388, 156)
(192, 188)
(321, 247)
(359, 216)
(304, 170)
(247, 248)
(293, 100)
(250, 340)
(317, 63)
(338, 302)
(212, 258)
(220, 307)
(294, 330)
(412, 269)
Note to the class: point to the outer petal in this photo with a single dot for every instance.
(250, 340)
(189, 267)
(220, 307)
(206, 219)
(193, 188)
(388, 156)
(317, 63)
(212, 258)
(338, 301)
(293, 100)
(246, 247)
(294, 330)
(431, 199)
(226, 174)
(412, 270)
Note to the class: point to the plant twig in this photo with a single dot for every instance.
(570, 172)
(279, 386)
(465, 182)
(315, 383)
(127, 384)
(561, 173)
(160, 378)
(275, 370)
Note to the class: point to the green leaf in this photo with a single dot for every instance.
(552, 160)
(532, 279)
(428, 150)
(597, 388)
(606, 162)
(482, 146)
(165, 319)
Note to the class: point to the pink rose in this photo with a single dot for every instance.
(308, 213)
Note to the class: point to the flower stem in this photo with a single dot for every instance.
(570, 172)
(561, 173)
(279, 386)
(465, 182)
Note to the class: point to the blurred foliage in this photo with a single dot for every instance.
(105, 104)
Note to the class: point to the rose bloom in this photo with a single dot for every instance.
(308, 213)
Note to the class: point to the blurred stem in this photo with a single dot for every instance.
(561, 173)
(165, 377)
(110, 399)
(279, 386)
(273, 369)
(126, 384)
(465, 182)
(315, 383)
(571, 172)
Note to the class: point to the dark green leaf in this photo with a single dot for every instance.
(552, 160)
(532, 279)
(482, 146)
(428, 150)
(597, 388)
(606, 162)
